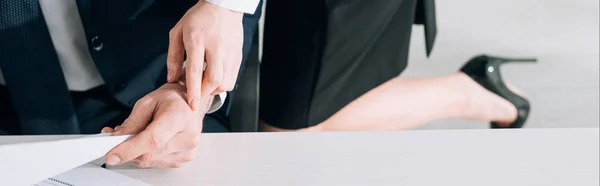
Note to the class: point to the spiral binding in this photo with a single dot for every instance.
(60, 182)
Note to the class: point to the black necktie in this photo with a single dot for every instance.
(32, 71)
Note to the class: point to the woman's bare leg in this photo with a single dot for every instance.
(404, 103)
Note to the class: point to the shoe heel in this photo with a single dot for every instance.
(513, 60)
(485, 70)
(494, 63)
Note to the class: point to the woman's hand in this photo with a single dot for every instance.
(206, 33)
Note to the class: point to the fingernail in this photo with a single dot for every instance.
(104, 130)
(117, 131)
(194, 104)
(113, 160)
(169, 75)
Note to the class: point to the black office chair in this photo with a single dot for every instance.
(243, 116)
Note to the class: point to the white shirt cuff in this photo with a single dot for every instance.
(217, 102)
(245, 6)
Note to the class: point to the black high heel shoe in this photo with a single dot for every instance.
(485, 70)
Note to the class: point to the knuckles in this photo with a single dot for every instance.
(144, 164)
(226, 87)
(177, 165)
(174, 31)
(221, 89)
(215, 78)
(195, 36)
(144, 101)
(215, 82)
(148, 157)
(187, 157)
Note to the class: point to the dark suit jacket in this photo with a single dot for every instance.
(425, 15)
(135, 42)
(128, 40)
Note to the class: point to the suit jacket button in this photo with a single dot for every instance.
(97, 44)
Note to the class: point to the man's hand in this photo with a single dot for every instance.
(206, 33)
(167, 130)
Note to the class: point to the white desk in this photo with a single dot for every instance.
(540, 157)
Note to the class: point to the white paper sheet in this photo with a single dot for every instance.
(29, 163)
(90, 175)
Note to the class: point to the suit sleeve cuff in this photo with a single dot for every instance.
(245, 6)
(217, 102)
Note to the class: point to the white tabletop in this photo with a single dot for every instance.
(548, 157)
(457, 157)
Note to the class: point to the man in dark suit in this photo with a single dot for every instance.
(82, 66)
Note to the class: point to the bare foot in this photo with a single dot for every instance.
(485, 105)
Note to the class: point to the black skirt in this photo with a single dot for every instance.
(319, 55)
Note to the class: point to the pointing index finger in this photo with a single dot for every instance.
(194, 47)
(156, 135)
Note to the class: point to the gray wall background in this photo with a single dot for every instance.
(563, 34)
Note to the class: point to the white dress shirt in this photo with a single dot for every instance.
(246, 6)
(68, 38)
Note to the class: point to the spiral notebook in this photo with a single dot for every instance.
(91, 175)
(60, 162)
